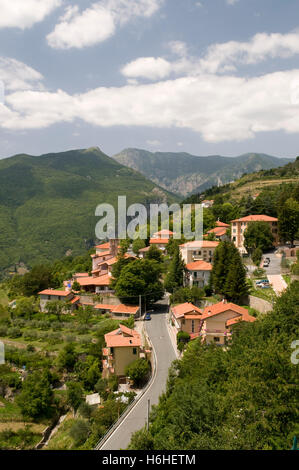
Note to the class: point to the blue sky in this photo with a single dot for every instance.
(208, 77)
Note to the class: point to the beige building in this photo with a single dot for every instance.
(239, 226)
(122, 348)
(213, 324)
(198, 274)
(198, 250)
(50, 295)
(219, 318)
(186, 317)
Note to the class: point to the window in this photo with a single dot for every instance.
(216, 339)
(192, 326)
(134, 350)
(234, 239)
(112, 350)
(59, 298)
(49, 297)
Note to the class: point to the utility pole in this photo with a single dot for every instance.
(140, 307)
(148, 412)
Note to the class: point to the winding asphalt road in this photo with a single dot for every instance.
(157, 331)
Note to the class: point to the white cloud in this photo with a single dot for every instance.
(97, 23)
(147, 67)
(25, 13)
(219, 58)
(16, 75)
(226, 56)
(153, 143)
(220, 108)
(231, 2)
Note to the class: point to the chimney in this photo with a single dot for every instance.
(114, 242)
(209, 312)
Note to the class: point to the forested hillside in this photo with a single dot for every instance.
(47, 203)
(242, 398)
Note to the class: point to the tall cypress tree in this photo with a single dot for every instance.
(228, 276)
(175, 276)
(236, 288)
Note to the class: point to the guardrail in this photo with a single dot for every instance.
(114, 426)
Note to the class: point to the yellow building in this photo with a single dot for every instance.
(122, 348)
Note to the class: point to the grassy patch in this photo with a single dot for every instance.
(10, 411)
(61, 439)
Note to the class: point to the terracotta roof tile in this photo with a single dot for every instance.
(221, 307)
(182, 309)
(199, 266)
(61, 293)
(257, 218)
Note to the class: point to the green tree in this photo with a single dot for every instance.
(38, 279)
(288, 220)
(155, 254)
(257, 256)
(258, 235)
(236, 287)
(76, 286)
(140, 277)
(137, 245)
(36, 397)
(67, 357)
(175, 276)
(74, 395)
(138, 371)
(26, 307)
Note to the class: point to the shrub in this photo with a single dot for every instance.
(85, 410)
(182, 337)
(3, 330)
(138, 371)
(79, 431)
(14, 332)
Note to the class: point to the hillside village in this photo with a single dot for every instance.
(91, 331)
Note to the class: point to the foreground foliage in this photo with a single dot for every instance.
(242, 398)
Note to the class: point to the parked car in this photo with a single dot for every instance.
(266, 264)
(267, 259)
(264, 286)
(147, 316)
(262, 281)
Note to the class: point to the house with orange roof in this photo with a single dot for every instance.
(96, 285)
(104, 252)
(50, 295)
(197, 273)
(163, 234)
(220, 231)
(123, 346)
(239, 226)
(218, 320)
(213, 324)
(159, 243)
(198, 250)
(120, 310)
(186, 317)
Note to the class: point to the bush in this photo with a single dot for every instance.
(30, 335)
(258, 273)
(79, 431)
(138, 371)
(257, 256)
(3, 330)
(14, 332)
(85, 410)
(182, 337)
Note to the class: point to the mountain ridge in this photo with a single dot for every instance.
(48, 202)
(183, 173)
